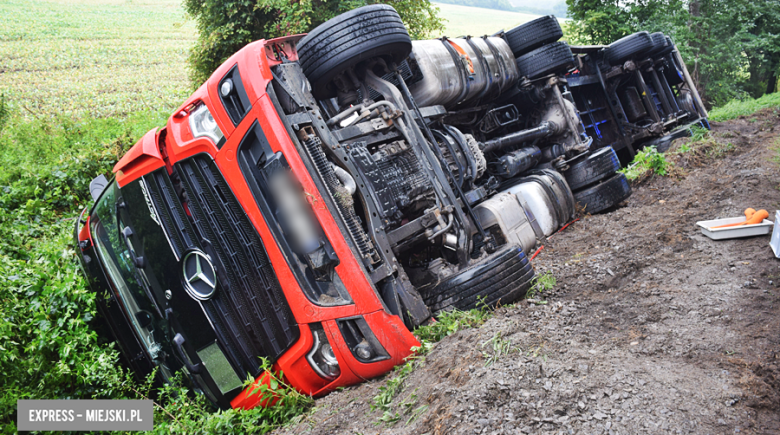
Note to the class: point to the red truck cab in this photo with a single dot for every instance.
(253, 263)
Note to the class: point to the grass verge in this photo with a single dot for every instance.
(736, 108)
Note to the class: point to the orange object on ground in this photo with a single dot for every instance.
(752, 218)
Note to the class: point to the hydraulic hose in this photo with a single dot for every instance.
(345, 178)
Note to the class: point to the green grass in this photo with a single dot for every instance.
(93, 57)
(467, 20)
(696, 150)
(32, 145)
(495, 347)
(542, 283)
(736, 108)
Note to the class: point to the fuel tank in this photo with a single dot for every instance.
(459, 71)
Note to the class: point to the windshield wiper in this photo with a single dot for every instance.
(138, 262)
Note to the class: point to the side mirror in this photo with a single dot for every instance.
(97, 185)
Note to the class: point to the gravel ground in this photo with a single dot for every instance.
(651, 328)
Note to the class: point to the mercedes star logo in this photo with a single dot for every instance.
(200, 278)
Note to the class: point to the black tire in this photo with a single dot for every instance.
(666, 50)
(604, 195)
(504, 277)
(551, 58)
(628, 47)
(659, 44)
(352, 37)
(596, 167)
(533, 34)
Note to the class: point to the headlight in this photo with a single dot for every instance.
(321, 357)
(203, 124)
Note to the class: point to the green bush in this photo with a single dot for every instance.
(647, 161)
(47, 348)
(179, 411)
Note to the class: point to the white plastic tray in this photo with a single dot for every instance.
(774, 242)
(761, 229)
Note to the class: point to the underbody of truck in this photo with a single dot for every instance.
(320, 196)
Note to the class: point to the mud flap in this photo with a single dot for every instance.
(405, 303)
(663, 143)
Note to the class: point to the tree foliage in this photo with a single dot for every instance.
(225, 26)
(731, 47)
(597, 21)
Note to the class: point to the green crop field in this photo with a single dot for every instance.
(92, 57)
(466, 20)
(111, 57)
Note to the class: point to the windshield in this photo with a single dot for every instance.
(116, 254)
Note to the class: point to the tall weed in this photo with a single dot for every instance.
(647, 161)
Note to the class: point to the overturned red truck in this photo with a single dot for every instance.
(322, 195)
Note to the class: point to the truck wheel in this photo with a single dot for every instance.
(659, 44)
(504, 277)
(627, 47)
(555, 57)
(342, 42)
(668, 48)
(533, 34)
(596, 167)
(604, 195)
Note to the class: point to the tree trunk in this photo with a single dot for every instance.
(694, 9)
(771, 84)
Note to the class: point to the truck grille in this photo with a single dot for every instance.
(248, 311)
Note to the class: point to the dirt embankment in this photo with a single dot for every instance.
(652, 328)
